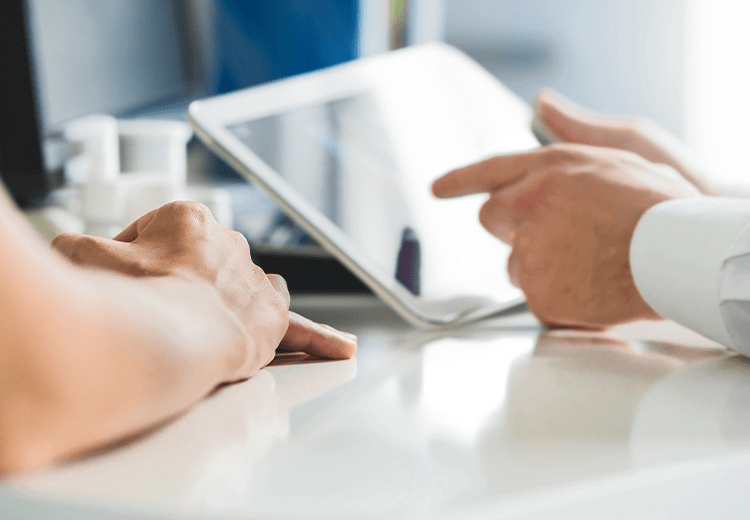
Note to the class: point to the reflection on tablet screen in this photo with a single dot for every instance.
(338, 156)
(351, 152)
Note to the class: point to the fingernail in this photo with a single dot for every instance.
(349, 338)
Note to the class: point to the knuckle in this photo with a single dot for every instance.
(635, 132)
(280, 316)
(238, 239)
(556, 155)
(188, 211)
(639, 127)
(557, 152)
(279, 283)
(553, 183)
(556, 148)
(256, 272)
(86, 244)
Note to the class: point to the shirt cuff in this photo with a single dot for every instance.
(676, 257)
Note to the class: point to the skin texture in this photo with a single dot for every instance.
(101, 339)
(569, 210)
(573, 124)
(164, 241)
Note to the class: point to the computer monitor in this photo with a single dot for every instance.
(116, 57)
(62, 60)
(22, 166)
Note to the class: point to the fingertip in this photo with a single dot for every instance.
(65, 243)
(565, 119)
(548, 107)
(335, 344)
(544, 97)
(352, 337)
(552, 98)
(60, 240)
(445, 187)
(349, 350)
(347, 347)
(433, 188)
(322, 341)
(436, 187)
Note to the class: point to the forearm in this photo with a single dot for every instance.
(89, 356)
(102, 367)
(123, 334)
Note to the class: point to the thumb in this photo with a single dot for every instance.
(91, 251)
(75, 247)
(571, 123)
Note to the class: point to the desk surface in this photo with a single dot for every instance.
(497, 420)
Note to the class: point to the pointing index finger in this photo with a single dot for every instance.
(482, 177)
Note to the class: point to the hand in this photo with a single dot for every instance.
(183, 240)
(569, 211)
(572, 124)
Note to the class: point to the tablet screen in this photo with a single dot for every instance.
(337, 155)
(363, 151)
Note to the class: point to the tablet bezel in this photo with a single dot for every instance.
(212, 117)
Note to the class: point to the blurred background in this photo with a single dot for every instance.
(681, 63)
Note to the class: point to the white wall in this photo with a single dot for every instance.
(618, 56)
(718, 86)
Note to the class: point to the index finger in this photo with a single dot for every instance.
(482, 177)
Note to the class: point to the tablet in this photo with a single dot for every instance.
(350, 152)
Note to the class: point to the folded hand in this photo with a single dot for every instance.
(182, 240)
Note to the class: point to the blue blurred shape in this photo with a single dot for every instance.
(261, 41)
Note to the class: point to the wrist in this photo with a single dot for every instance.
(204, 327)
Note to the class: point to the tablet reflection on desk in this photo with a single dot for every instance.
(583, 406)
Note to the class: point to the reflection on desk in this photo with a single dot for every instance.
(481, 422)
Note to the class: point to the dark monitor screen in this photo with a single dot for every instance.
(21, 160)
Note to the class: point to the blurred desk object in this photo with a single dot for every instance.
(501, 420)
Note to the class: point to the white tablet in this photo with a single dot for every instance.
(350, 153)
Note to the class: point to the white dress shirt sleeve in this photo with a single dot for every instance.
(690, 260)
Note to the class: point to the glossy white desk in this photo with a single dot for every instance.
(487, 422)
